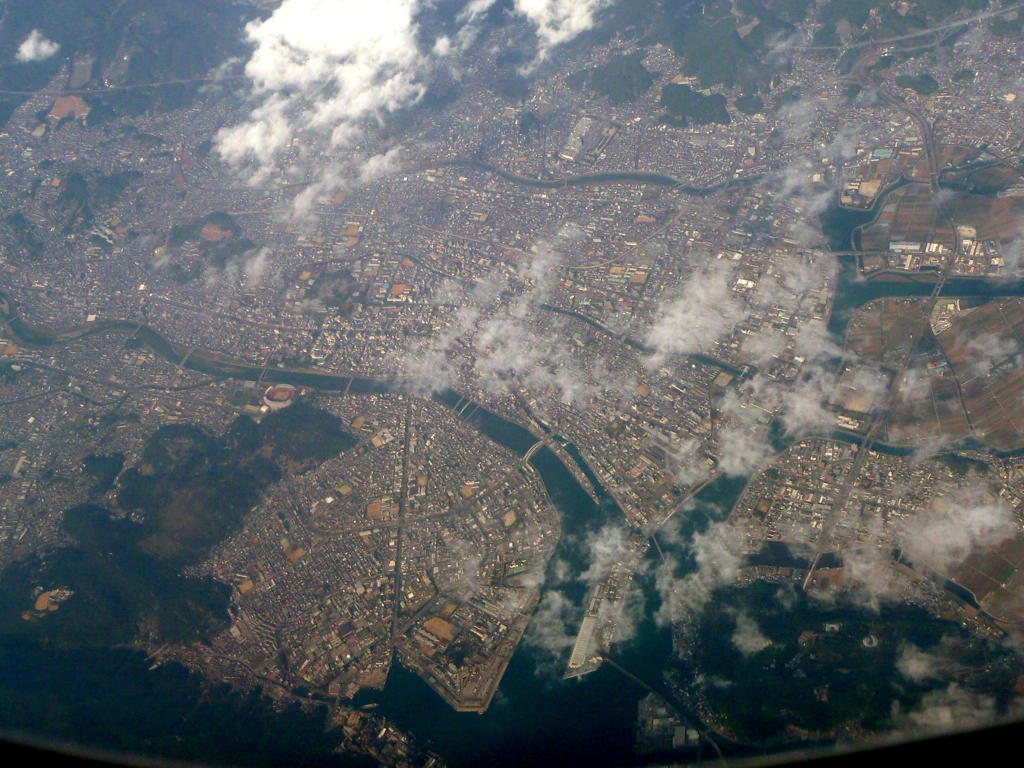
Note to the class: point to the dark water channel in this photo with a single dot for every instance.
(537, 718)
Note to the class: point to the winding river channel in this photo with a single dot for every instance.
(535, 715)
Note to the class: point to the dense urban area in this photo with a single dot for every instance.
(711, 306)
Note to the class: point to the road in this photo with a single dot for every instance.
(910, 35)
(399, 529)
(705, 733)
(824, 541)
(126, 87)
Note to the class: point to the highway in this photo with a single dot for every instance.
(911, 35)
(824, 541)
(704, 732)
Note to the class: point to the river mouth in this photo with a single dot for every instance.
(538, 719)
(841, 227)
(535, 715)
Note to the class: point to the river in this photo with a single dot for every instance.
(841, 227)
(535, 715)
(626, 177)
(537, 718)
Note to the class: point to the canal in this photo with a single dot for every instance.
(536, 717)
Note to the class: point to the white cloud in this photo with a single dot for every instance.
(512, 342)
(761, 347)
(325, 66)
(782, 46)
(742, 443)
(869, 574)
(604, 547)
(603, 550)
(813, 341)
(715, 551)
(988, 351)
(558, 21)
(1012, 254)
(428, 366)
(36, 47)
(956, 524)
(686, 461)
(255, 267)
(952, 708)
(741, 451)
(380, 165)
(507, 347)
(748, 637)
(462, 577)
(917, 666)
(552, 630)
(794, 276)
(804, 404)
(706, 310)
(929, 447)
(325, 71)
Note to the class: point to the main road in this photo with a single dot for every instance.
(824, 541)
